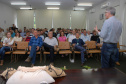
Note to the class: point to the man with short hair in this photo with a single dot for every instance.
(71, 37)
(111, 31)
(51, 44)
(84, 36)
(78, 45)
(34, 45)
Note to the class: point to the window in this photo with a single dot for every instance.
(34, 21)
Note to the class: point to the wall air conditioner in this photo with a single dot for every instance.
(92, 11)
(105, 5)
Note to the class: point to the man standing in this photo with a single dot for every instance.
(111, 31)
(34, 45)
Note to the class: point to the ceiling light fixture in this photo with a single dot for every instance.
(78, 8)
(55, 8)
(84, 4)
(18, 3)
(25, 8)
(52, 3)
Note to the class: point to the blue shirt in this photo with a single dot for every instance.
(79, 42)
(36, 41)
(111, 30)
(85, 38)
(13, 35)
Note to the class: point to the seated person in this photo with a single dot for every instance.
(62, 38)
(1, 33)
(34, 45)
(84, 36)
(7, 43)
(41, 35)
(12, 33)
(73, 36)
(95, 37)
(50, 44)
(78, 45)
(28, 37)
(17, 37)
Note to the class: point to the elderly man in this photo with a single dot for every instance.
(84, 36)
(50, 44)
(111, 31)
(34, 45)
(78, 45)
(71, 37)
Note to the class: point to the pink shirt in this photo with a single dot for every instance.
(62, 38)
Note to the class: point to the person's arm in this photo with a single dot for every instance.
(73, 42)
(56, 42)
(4, 42)
(104, 30)
(20, 38)
(30, 42)
(41, 42)
(88, 38)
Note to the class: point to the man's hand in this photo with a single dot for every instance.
(85, 44)
(37, 48)
(96, 28)
(30, 48)
(6, 44)
(73, 45)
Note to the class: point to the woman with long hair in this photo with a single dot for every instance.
(62, 37)
(17, 37)
(7, 43)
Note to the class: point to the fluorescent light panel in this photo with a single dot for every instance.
(78, 8)
(84, 4)
(55, 8)
(25, 8)
(18, 3)
(52, 3)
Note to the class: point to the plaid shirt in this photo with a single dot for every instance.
(36, 41)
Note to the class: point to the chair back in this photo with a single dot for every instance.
(64, 45)
(91, 44)
(22, 45)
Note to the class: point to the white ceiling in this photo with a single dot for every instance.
(40, 4)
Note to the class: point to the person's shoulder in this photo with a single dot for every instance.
(46, 38)
(54, 38)
(74, 39)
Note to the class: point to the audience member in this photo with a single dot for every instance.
(7, 43)
(84, 36)
(78, 44)
(50, 44)
(34, 45)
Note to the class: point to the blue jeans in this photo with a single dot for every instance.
(33, 53)
(108, 55)
(82, 50)
(117, 55)
(3, 50)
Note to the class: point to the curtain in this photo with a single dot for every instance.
(25, 18)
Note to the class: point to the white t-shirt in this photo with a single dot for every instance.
(17, 38)
(51, 42)
(9, 41)
(71, 37)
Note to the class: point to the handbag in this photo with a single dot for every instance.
(8, 73)
(54, 72)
